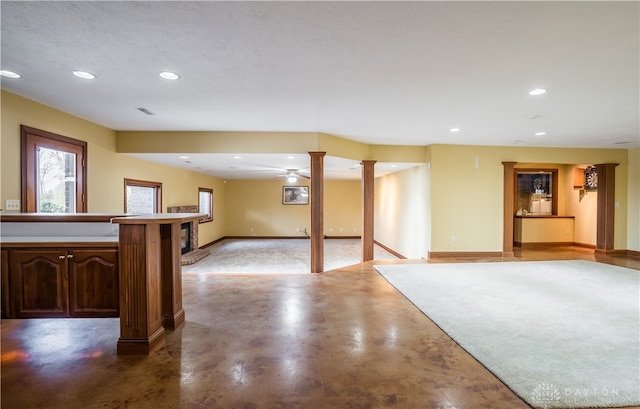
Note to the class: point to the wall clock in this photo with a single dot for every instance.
(591, 178)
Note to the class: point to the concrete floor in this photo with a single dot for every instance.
(342, 339)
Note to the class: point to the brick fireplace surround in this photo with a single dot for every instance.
(196, 254)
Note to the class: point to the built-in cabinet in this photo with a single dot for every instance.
(62, 282)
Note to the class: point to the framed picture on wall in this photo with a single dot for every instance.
(295, 195)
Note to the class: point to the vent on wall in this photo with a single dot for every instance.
(145, 111)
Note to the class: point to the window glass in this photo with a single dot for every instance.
(205, 203)
(535, 193)
(56, 181)
(142, 197)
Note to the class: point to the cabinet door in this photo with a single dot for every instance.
(4, 274)
(93, 283)
(38, 283)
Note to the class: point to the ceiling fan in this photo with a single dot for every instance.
(292, 175)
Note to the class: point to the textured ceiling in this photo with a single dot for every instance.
(377, 72)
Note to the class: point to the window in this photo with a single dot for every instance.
(53, 172)
(142, 197)
(536, 192)
(205, 203)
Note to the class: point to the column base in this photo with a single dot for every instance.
(174, 322)
(141, 346)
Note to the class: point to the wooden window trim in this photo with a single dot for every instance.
(554, 187)
(144, 183)
(210, 191)
(28, 136)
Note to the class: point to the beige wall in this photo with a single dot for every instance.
(106, 169)
(449, 205)
(467, 202)
(402, 211)
(633, 233)
(254, 208)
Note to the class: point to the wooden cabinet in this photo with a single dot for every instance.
(4, 283)
(63, 282)
(93, 283)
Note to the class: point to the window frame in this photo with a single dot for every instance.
(30, 138)
(144, 183)
(554, 187)
(210, 192)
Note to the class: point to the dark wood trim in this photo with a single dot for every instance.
(633, 254)
(144, 183)
(554, 187)
(4, 280)
(173, 315)
(29, 137)
(542, 244)
(606, 206)
(390, 250)
(433, 255)
(317, 211)
(259, 238)
(600, 252)
(507, 208)
(367, 208)
(210, 191)
(545, 216)
(585, 245)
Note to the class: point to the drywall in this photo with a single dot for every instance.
(402, 209)
(106, 169)
(467, 199)
(255, 208)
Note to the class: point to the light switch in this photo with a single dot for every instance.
(12, 204)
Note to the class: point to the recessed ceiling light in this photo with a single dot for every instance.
(454, 130)
(168, 75)
(84, 75)
(183, 157)
(237, 157)
(10, 74)
(540, 133)
(537, 91)
(290, 157)
(393, 166)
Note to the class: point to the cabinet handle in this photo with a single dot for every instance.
(61, 257)
(69, 255)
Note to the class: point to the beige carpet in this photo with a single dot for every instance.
(561, 334)
(278, 256)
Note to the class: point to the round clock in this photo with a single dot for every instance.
(591, 178)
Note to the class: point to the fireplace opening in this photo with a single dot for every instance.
(185, 238)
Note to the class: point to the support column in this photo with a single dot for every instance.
(171, 270)
(317, 211)
(141, 329)
(507, 208)
(606, 207)
(367, 208)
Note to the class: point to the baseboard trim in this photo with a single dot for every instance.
(585, 245)
(267, 237)
(395, 253)
(633, 254)
(543, 244)
(463, 254)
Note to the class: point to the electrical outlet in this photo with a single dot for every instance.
(453, 239)
(10, 204)
(298, 229)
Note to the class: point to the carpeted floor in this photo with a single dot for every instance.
(561, 334)
(279, 256)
